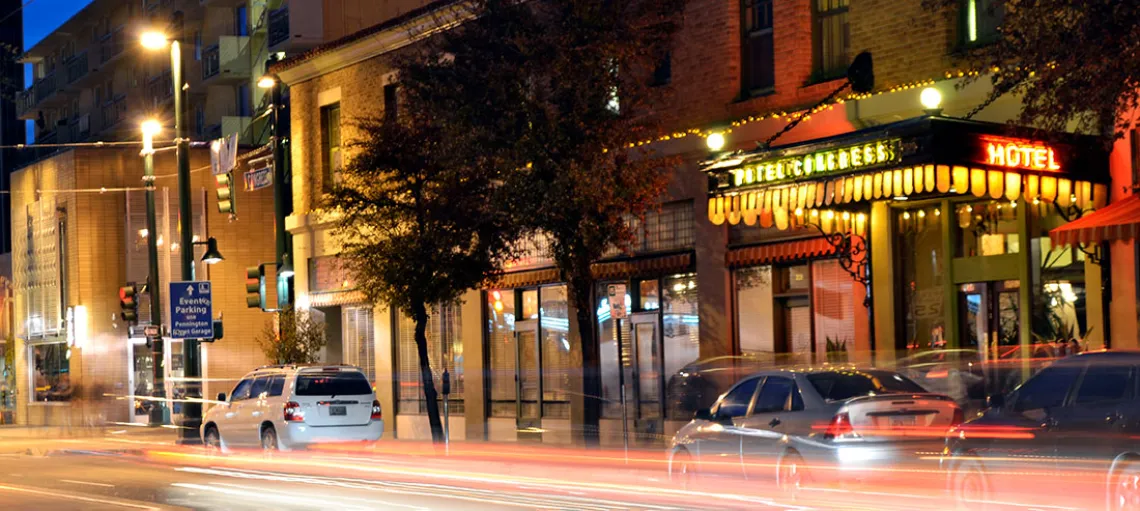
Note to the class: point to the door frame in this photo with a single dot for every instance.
(523, 327)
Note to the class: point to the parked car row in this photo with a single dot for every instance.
(1075, 422)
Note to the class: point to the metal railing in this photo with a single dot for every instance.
(44, 87)
(113, 111)
(278, 26)
(77, 67)
(160, 88)
(112, 44)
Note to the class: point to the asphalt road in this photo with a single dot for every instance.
(121, 474)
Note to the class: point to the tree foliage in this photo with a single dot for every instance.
(293, 337)
(556, 91)
(1070, 61)
(419, 223)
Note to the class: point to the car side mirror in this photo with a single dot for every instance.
(704, 414)
(995, 401)
(222, 397)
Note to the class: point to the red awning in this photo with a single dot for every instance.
(1117, 221)
(776, 252)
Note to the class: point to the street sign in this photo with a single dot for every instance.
(150, 330)
(191, 310)
(616, 295)
(257, 179)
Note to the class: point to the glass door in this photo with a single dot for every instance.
(141, 381)
(528, 380)
(991, 324)
(644, 381)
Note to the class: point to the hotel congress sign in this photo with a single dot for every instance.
(853, 158)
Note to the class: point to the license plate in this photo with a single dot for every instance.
(902, 421)
(336, 410)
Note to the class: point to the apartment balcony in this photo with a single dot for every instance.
(78, 68)
(45, 87)
(236, 124)
(296, 26)
(227, 62)
(111, 45)
(159, 89)
(112, 112)
(26, 105)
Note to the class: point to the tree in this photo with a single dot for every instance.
(419, 223)
(1070, 61)
(293, 337)
(561, 91)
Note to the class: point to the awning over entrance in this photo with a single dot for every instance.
(821, 181)
(779, 252)
(1118, 221)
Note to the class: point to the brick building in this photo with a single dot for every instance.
(711, 277)
(76, 362)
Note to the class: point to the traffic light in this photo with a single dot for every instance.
(129, 301)
(225, 193)
(255, 287)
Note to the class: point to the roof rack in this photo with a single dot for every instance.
(295, 366)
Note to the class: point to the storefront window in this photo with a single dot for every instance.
(359, 339)
(557, 364)
(922, 266)
(985, 228)
(445, 351)
(681, 334)
(50, 372)
(608, 346)
(649, 295)
(1060, 310)
(502, 349)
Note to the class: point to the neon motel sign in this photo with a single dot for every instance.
(1019, 155)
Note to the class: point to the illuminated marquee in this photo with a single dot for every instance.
(845, 159)
(1013, 154)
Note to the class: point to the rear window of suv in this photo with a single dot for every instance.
(840, 386)
(332, 383)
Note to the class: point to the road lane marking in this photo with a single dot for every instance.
(104, 485)
(59, 495)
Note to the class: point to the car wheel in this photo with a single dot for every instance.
(212, 440)
(791, 474)
(682, 469)
(269, 439)
(1124, 491)
(971, 487)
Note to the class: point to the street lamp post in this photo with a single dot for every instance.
(158, 406)
(192, 409)
(281, 191)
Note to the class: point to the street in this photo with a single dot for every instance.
(132, 471)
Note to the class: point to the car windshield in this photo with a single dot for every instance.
(332, 383)
(846, 385)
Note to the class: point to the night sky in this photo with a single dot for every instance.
(43, 16)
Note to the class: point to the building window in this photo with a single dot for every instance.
(981, 19)
(445, 351)
(663, 73)
(241, 21)
(330, 145)
(50, 370)
(831, 38)
(757, 47)
(198, 45)
(359, 339)
(244, 109)
(671, 228)
(530, 352)
(391, 102)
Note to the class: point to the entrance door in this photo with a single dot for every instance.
(646, 386)
(528, 381)
(141, 380)
(991, 324)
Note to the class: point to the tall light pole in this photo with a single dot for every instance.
(192, 409)
(282, 198)
(158, 406)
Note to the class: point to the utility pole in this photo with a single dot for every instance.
(158, 406)
(282, 193)
(192, 408)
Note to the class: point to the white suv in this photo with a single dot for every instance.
(290, 406)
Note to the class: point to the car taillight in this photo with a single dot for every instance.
(840, 425)
(293, 412)
(959, 418)
(377, 413)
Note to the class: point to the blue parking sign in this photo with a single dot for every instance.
(191, 310)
